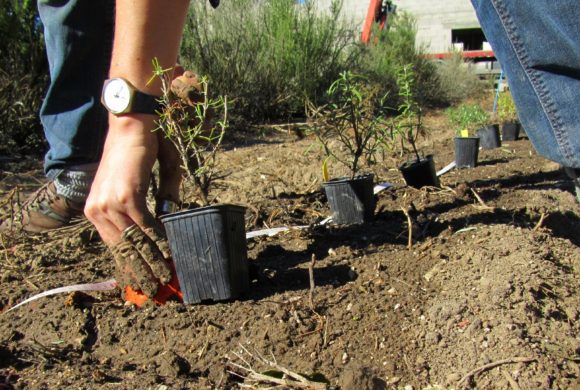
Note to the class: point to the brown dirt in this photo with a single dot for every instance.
(490, 284)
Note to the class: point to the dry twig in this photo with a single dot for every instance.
(514, 385)
(491, 365)
(410, 228)
(483, 205)
(540, 222)
(289, 378)
(311, 277)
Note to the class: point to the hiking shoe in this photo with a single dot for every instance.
(44, 210)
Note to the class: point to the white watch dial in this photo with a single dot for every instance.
(117, 95)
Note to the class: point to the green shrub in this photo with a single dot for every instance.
(407, 124)
(468, 117)
(395, 47)
(456, 82)
(267, 56)
(506, 107)
(351, 127)
(23, 76)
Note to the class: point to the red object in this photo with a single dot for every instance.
(164, 293)
(466, 54)
(374, 15)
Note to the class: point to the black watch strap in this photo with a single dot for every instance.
(145, 104)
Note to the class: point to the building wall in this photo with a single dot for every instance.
(435, 19)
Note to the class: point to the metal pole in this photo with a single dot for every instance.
(497, 91)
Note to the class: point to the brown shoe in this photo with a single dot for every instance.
(44, 210)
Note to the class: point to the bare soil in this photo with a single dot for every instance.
(485, 297)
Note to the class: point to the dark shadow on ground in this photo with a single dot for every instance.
(483, 162)
(556, 178)
(562, 224)
(278, 269)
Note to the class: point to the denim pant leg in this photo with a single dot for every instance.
(79, 36)
(538, 45)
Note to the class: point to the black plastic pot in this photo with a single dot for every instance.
(208, 246)
(466, 151)
(351, 201)
(420, 173)
(489, 137)
(510, 131)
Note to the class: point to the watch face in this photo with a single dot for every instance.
(117, 96)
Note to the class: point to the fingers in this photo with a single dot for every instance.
(132, 270)
(140, 258)
(148, 250)
(158, 237)
(188, 87)
(117, 201)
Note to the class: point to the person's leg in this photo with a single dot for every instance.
(78, 36)
(538, 45)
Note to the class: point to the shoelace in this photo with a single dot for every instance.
(41, 195)
(34, 202)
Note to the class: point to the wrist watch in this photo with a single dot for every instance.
(120, 97)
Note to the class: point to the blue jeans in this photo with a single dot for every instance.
(538, 45)
(79, 36)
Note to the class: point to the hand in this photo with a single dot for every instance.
(144, 30)
(187, 87)
(141, 259)
(117, 202)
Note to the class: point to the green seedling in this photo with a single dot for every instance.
(196, 129)
(350, 128)
(467, 118)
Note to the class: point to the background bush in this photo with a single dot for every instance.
(268, 56)
(393, 48)
(23, 76)
(456, 81)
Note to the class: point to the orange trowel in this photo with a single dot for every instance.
(165, 293)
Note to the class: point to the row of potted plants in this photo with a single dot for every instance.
(208, 243)
(473, 130)
(359, 122)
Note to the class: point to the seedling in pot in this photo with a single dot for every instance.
(467, 119)
(508, 116)
(208, 244)
(195, 124)
(351, 131)
(408, 125)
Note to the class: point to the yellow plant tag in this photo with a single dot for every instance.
(325, 175)
(464, 133)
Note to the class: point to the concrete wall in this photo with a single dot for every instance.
(435, 18)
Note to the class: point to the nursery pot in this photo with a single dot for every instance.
(466, 151)
(208, 246)
(489, 137)
(420, 173)
(351, 201)
(510, 131)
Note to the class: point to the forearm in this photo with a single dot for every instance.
(144, 30)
